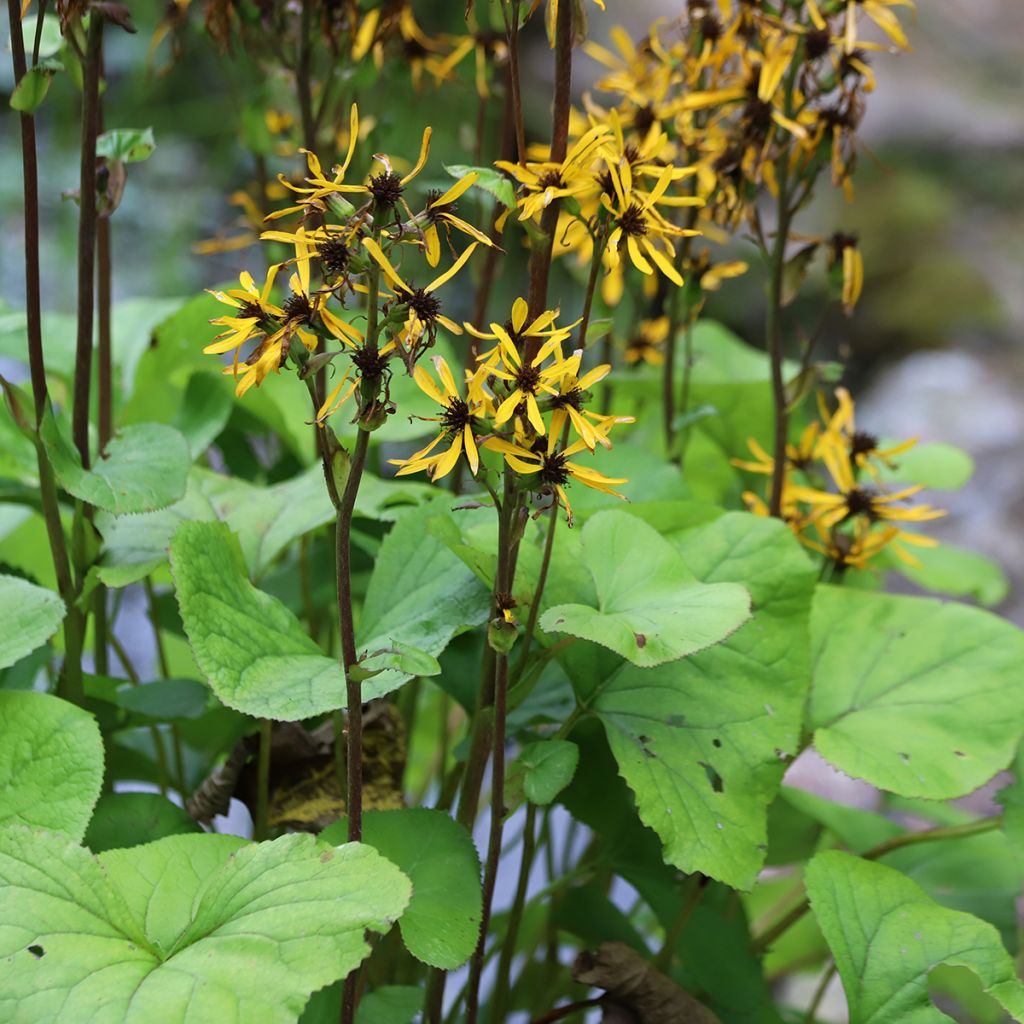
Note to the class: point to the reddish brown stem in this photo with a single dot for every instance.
(87, 237)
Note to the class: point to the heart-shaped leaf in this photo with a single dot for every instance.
(651, 609)
(186, 930)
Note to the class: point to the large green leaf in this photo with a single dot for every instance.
(650, 608)
(30, 616)
(442, 923)
(256, 655)
(51, 763)
(886, 934)
(959, 572)
(186, 930)
(145, 467)
(702, 742)
(916, 696)
(420, 595)
(131, 819)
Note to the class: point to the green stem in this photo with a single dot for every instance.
(971, 828)
(159, 750)
(503, 983)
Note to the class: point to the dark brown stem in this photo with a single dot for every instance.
(38, 41)
(540, 256)
(303, 82)
(74, 625)
(87, 236)
(773, 336)
(542, 579)
(515, 87)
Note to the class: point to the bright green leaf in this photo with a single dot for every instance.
(399, 658)
(420, 594)
(32, 89)
(886, 934)
(51, 763)
(939, 467)
(702, 742)
(650, 608)
(187, 930)
(546, 768)
(129, 145)
(204, 412)
(390, 1004)
(122, 820)
(442, 923)
(916, 696)
(490, 180)
(165, 699)
(959, 572)
(254, 652)
(145, 467)
(30, 616)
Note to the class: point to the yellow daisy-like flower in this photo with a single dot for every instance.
(423, 305)
(440, 214)
(254, 307)
(879, 11)
(554, 468)
(841, 440)
(647, 344)
(592, 428)
(542, 182)
(640, 227)
(458, 421)
(516, 329)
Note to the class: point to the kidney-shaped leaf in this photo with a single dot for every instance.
(186, 930)
(917, 696)
(145, 467)
(442, 924)
(886, 934)
(650, 607)
(30, 616)
(701, 742)
(254, 652)
(51, 763)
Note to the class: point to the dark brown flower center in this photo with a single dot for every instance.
(863, 443)
(527, 378)
(334, 255)
(456, 417)
(553, 471)
(251, 309)
(424, 304)
(297, 308)
(370, 363)
(861, 502)
(632, 221)
(386, 189)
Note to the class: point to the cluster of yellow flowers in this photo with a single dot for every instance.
(525, 399)
(832, 497)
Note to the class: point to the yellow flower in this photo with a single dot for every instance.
(517, 330)
(544, 181)
(526, 380)
(458, 421)
(440, 212)
(592, 428)
(845, 253)
(841, 440)
(424, 307)
(647, 343)
(640, 227)
(339, 395)
(254, 307)
(554, 468)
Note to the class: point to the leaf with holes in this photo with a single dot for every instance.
(254, 652)
(30, 616)
(650, 609)
(51, 763)
(887, 934)
(917, 696)
(702, 742)
(186, 930)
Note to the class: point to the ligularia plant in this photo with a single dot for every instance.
(421, 628)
